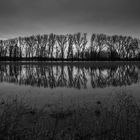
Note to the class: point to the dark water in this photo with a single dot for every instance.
(47, 82)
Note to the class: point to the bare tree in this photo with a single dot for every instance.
(22, 46)
(111, 50)
(93, 47)
(134, 48)
(83, 45)
(70, 47)
(13, 48)
(101, 40)
(51, 43)
(1, 48)
(30, 44)
(42, 41)
(62, 40)
(80, 42)
(44, 44)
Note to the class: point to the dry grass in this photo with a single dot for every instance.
(119, 121)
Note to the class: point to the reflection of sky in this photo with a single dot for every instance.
(42, 96)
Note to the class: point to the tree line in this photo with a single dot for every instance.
(70, 47)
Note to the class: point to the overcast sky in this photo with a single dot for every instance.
(27, 17)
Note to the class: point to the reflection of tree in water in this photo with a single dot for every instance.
(10, 73)
(115, 76)
(62, 80)
(70, 76)
(80, 79)
(53, 76)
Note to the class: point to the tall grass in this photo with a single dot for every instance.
(118, 121)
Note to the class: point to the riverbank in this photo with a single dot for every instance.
(90, 63)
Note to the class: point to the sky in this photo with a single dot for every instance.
(28, 17)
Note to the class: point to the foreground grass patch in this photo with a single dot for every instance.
(119, 120)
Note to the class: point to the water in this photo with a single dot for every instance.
(43, 83)
(80, 99)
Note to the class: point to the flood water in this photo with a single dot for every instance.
(43, 83)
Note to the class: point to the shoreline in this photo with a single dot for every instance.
(97, 63)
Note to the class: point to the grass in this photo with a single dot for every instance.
(120, 120)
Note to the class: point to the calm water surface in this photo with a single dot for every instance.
(43, 83)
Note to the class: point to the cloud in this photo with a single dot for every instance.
(31, 16)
